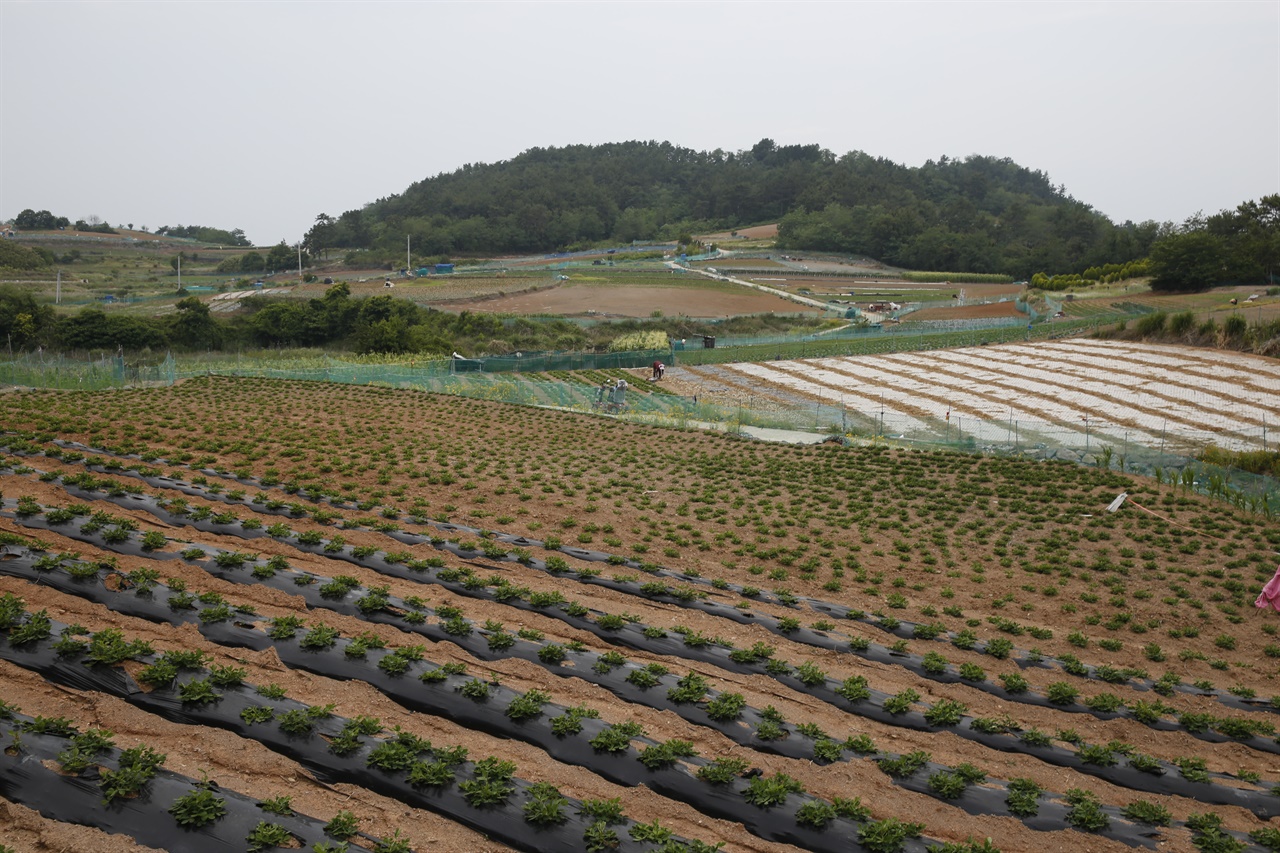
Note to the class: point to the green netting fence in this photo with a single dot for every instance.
(41, 370)
(903, 338)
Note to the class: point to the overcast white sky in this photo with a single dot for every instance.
(261, 115)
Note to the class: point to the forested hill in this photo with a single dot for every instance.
(979, 214)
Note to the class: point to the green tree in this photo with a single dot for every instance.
(31, 220)
(283, 257)
(252, 262)
(22, 319)
(1252, 231)
(195, 326)
(16, 257)
(1192, 260)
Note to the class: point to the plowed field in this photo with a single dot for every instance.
(1120, 393)
(640, 639)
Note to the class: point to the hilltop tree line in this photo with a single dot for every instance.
(1240, 246)
(977, 214)
(43, 220)
(205, 234)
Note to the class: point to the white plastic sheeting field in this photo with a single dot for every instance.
(1082, 392)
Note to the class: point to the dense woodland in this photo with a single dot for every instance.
(979, 214)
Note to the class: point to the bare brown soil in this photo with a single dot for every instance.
(756, 232)
(579, 300)
(967, 312)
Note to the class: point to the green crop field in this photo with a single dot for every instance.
(482, 626)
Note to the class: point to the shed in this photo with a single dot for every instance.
(443, 268)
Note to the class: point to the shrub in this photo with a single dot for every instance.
(1105, 703)
(934, 663)
(902, 701)
(887, 836)
(947, 785)
(1182, 323)
(475, 689)
(1142, 811)
(854, 689)
(1086, 812)
(545, 805)
(726, 707)
(665, 754)
(617, 737)
(527, 705)
(773, 791)
(690, 688)
(810, 675)
(1014, 683)
(490, 783)
(904, 765)
(722, 771)
(198, 808)
(815, 813)
(1023, 799)
(1061, 693)
(1151, 325)
(946, 712)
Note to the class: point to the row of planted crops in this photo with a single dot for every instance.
(448, 622)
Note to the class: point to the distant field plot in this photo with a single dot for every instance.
(1107, 392)
(1215, 304)
(672, 295)
(980, 310)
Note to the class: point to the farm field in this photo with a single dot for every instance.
(1176, 398)
(690, 296)
(355, 597)
(968, 312)
(887, 289)
(1213, 304)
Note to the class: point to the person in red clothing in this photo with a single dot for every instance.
(1270, 595)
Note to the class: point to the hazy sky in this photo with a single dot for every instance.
(261, 115)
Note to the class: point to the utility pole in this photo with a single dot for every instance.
(299, 261)
(408, 262)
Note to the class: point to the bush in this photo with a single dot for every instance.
(1142, 811)
(902, 701)
(1024, 798)
(1151, 324)
(887, 836)
(1086, 812)
(665, 754)
(1182, 323)
(726, 707)
(773, 791)
(1061, 693)
(946, 712)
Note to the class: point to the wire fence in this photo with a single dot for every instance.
(56, 371)
(1175, 457)
(867, 340)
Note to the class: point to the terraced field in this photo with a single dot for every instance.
(1119, 393)
(250, 614)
